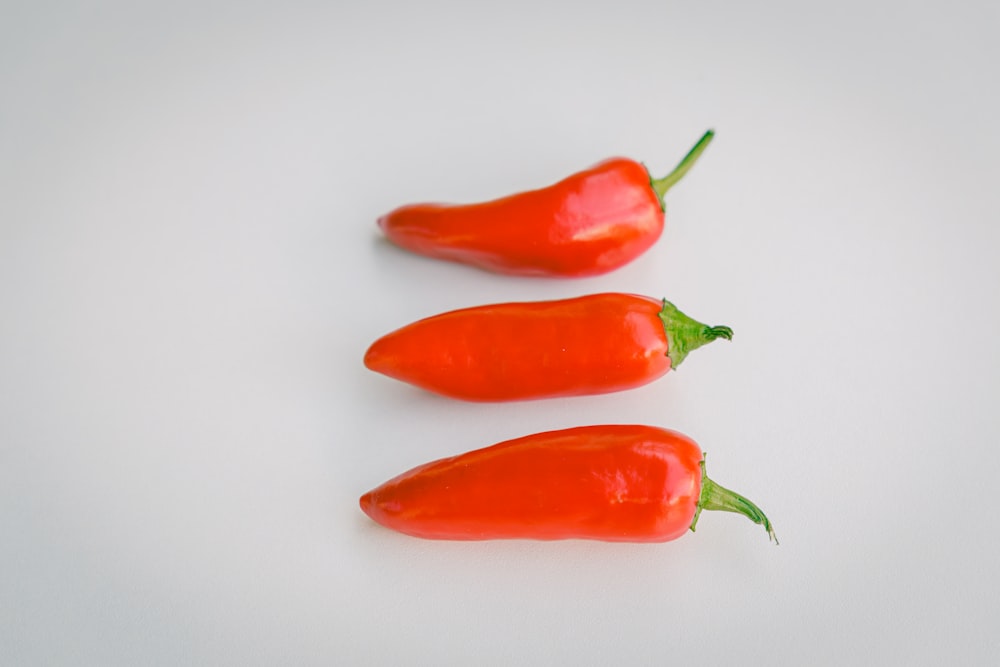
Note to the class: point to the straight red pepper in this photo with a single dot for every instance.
(514, 351)
(612, 483)
(589, 223)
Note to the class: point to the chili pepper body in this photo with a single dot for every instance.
(592, 344)
(587, 224)
(616, 483)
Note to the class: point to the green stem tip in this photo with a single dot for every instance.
(685, 334)
(661, 185)
(716, 497)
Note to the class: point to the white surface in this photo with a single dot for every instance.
(190, 274)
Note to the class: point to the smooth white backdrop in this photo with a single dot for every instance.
(190, 274)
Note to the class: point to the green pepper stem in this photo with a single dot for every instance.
(716, 497)
(685, 334)
(661, 185)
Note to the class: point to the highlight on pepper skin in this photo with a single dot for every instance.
(587, 224)
(616, 483)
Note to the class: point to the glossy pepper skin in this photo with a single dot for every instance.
(614, 483)
(587, 224)
(592, 344)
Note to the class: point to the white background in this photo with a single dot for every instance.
(190, 274)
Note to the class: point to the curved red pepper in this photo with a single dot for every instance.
(513, 351)
(587, 224)
(613, 483)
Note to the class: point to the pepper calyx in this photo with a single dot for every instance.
(661, 185)
(716, 497)
(685, 334)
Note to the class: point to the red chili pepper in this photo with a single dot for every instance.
(514, 351)
(587, 224)
(613, 483)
